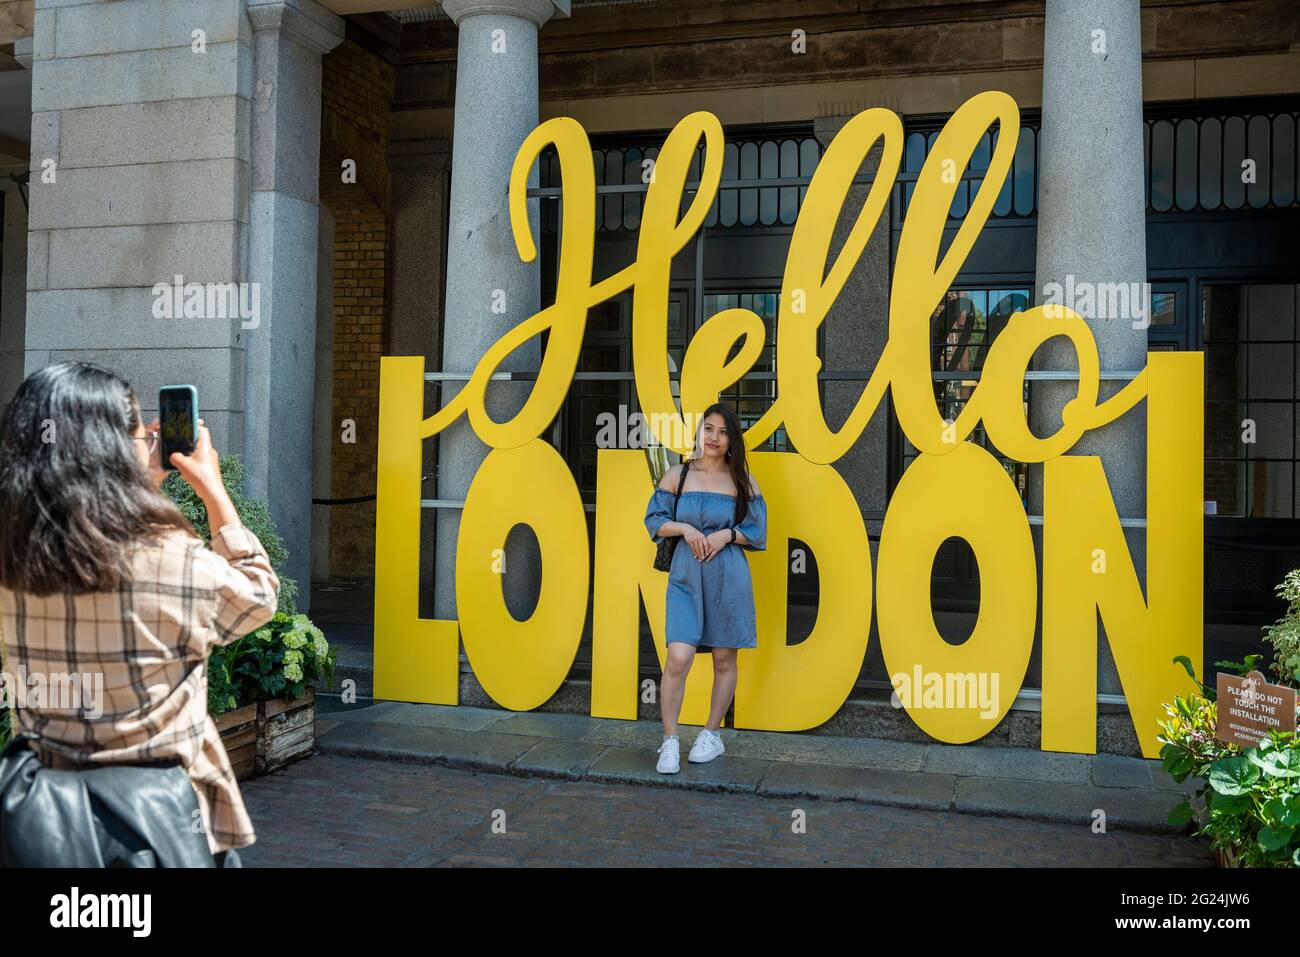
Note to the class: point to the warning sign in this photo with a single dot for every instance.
(1249, 707)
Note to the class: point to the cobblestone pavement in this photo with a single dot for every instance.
(332, 811)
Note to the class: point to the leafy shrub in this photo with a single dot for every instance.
(279, 660)
(1249, 803)
(1284, 634)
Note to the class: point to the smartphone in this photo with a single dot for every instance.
(178, 413)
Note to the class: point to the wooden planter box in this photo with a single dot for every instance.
(268, 735)
(286, 731)
(239, 735)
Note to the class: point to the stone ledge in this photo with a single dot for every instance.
(1001, 782)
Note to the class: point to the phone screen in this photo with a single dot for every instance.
(178, 415)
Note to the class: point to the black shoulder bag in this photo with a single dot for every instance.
(664, 556)
(107, 815)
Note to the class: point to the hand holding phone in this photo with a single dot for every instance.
(185, 446)
(201, 468)
(178, 411)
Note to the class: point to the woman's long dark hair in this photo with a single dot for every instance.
(735, 456)
(73, 496)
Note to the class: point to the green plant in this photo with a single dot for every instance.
(1244, 667)
(1249, 803)
(1284, 634)
(1207, 691)
(285, 656)
(281, 659)
(252, 512)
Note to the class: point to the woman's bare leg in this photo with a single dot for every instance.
(672, 687)
(724, 685)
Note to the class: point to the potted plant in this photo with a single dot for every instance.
(1249, 803)
(259, 686)
(272, 670)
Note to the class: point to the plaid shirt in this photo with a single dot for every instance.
(147, 645)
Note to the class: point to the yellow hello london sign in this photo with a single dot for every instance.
(781, 687)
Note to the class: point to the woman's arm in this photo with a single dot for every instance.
(246, 584)
(243, 580)
(755, 521)
(670, 528)
(667, 529)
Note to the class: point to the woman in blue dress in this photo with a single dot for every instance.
(710, 603)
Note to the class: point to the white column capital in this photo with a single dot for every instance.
(304, 21)
(538, 11)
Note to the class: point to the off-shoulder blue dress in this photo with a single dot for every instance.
(711, 603)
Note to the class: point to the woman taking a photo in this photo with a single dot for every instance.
(710, 603)
(101, 574)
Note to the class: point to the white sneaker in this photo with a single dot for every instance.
(670, 757)
(706, 747)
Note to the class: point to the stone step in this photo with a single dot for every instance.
(1133, 794)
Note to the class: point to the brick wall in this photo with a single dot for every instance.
(356, 93)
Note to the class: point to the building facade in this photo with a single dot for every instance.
(344, 163)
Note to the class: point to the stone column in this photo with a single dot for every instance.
(857, 328)
(420, 181)
(13, 296)
(289, 37)
(139, 156)
(496, 108)
(323, 430)
(1092, 229)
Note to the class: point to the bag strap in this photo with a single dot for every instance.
(680, 482)
(11, 708)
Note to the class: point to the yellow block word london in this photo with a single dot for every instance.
(785, 687)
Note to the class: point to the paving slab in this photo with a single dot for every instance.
(1118, 771)
(541, 724)
(821, 749)
(407, 742)
(363, 710)
(1068, 804)
(555, 757)
(1020, 763)
(914, 789)
(625, 765)
(420, 715)
(448, 716)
